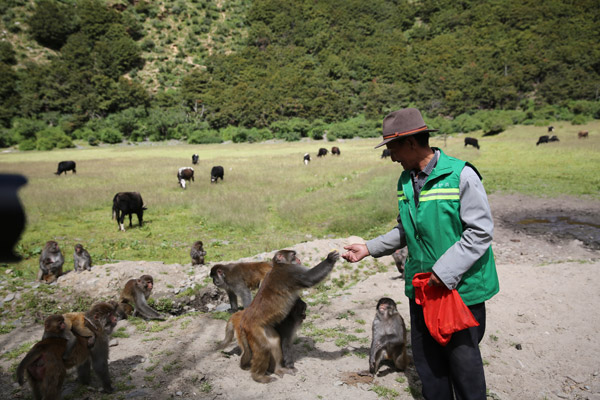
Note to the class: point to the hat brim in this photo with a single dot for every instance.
(405, 135)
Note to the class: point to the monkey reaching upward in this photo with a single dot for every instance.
(66, 326)
(51, 262)
(197, 253)
(45, 368)
(279, 291)
(389, 336)
(239, 279)
(81, 259)
(137, 292)
(286, 330)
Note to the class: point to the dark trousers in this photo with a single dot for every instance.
(452, 370)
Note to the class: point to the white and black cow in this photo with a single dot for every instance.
(322, 152)
(215, 173)
(128, 203)
(306, 158)
(472, 141)
(65, 166)
(553, 138)
(185, 174)
(195, 159)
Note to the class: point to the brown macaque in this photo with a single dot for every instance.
(257, 334)
(239, 279)
(197, 253)
(45, 369)
(136, 292)
(124, 310)
(81, 259)
(66, 326)
(399, 257)
(286, 330)
(389, 336)
(51, 262)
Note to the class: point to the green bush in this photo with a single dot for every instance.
(579, 120)
(110, 135)
(26, 145)
(52, 137)
(204, 137)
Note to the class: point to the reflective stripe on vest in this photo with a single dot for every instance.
(439, 194)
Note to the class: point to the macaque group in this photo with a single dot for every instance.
(134, 298)
(45, 365)
(286, 329)
(389, 337)
(239, 279)
(51, 262)
(67, 326)
(257, 333)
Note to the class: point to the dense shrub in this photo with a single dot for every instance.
(52, 137)
(110, 135)
(204, 136)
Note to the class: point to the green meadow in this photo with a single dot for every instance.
(269, 198)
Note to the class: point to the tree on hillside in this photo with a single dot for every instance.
(51, 23)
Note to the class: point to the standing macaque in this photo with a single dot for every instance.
(197, 253)
(81, 258)
(45, 368)
(66, 326)
(399, 257)
(136, 292)
(257, 336)
(389, 336)
(51, 262)
(286, 330)
(239, 279)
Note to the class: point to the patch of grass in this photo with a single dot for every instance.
(224, 315)
(18, 351)
(120, 333)
(206, 387)
(384, 392)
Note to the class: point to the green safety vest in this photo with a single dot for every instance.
(434, 226)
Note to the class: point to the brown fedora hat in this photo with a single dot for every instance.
(402, 123)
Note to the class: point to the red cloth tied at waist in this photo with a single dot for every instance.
(443, 309)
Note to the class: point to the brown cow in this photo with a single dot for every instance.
(582, 134)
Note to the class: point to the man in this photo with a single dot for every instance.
(445, 221)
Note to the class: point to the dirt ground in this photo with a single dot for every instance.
(541, 339)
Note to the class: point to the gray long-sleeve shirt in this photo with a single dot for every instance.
(475, 214)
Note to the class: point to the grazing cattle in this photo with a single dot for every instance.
(553, 138)
(543, 139)
(582, 134)
(215, 173)
(385, 153)
(128, 203)
(65, 166)
(322, 152)
(194, 159)
(185, 174)
(306, 159)
(335, 151)
(550, 129)
(472, 141)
